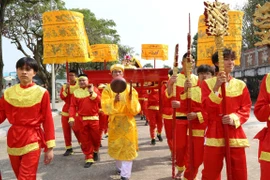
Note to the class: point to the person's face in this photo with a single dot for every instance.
(25, 75)
(72, 77)
(184, 63)
(117, 73)
(83, 82)
(228, 64)
(204, 75)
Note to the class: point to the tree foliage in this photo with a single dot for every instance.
(22, 24)
(249, 39)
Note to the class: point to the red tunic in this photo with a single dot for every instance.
(238, 107)
(27, 109)
(262, 113)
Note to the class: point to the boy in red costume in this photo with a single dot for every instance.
(29, 132)
(153, 115)
(262, 113)
(65, 94)
(198, 118)
(85, 101)
(237, 113)
(181, 112)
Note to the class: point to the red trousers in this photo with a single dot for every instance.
(90, 138)
(181, 144)
(103, 123)
(169, 132)
(265, 166)
(198, 151)
(25, 166)
(143, 104)
(154, 122)
(213, 163)
(67, 131)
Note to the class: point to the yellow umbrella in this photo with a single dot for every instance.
(104, 53)
(64, 38)
(155, 52)
(207, 46)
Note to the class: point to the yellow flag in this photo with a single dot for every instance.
(154, 51)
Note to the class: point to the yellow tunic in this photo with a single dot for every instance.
(123, 135)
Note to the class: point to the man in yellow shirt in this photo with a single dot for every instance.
(123, 136)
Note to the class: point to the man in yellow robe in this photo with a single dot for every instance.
(123, 136)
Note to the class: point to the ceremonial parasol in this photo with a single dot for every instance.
(105, 53)
(155, 52)
(65, 39)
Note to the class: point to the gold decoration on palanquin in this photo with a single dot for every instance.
(261, 19)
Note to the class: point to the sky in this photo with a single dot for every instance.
(139, 22)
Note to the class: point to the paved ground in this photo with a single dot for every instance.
(153, 162)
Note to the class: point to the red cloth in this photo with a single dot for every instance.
(25, 167)
(26, 127)
(262, 113)
(213, 163)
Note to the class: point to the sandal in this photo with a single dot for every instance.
(178, 175)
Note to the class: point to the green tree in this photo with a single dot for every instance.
(23, 26)
(166, 66)
(148, 65)
(249, 39)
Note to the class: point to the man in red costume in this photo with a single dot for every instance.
(103, 118)
(153, 115)
(85, 101)
(65, 94)
(167, 113)
(198, 119)
(237, 113)
(181, 112)
(262, 113)
(29, 132)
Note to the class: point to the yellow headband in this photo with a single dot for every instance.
(117, 67)
(82, 77)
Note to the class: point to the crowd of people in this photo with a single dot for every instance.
(209, 109)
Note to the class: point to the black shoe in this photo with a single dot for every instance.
(68, 152)
(146, 123)
(159, 137)
(95, 156)
(87, 165)
(124, 178)
(118, 171)
(153, 142)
